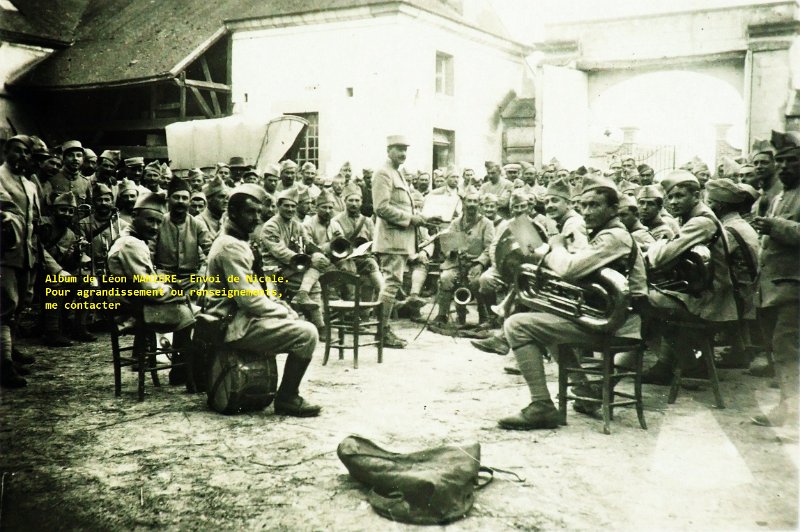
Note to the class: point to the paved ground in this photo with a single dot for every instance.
(76, 457)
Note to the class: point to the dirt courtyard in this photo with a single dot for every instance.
(76, 457)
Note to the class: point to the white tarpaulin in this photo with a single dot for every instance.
(204, 143)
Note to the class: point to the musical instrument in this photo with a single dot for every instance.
(600, 303)
(342, 248)
(300, 262)
(516, 244)
(691, 273)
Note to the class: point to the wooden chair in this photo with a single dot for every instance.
(706, 330)
(345, 316)
(609, 373)
(142, 354)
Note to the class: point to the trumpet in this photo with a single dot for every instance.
(341, 248)
(600, 304)
(300, 262)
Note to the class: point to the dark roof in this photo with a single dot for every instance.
(121, 42)
(50, 23)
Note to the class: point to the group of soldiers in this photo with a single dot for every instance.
(68, 212)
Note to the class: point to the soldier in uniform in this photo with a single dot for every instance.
(103, 226)
(478, 234)
(259, 323)
(530, 334)
(197, 203)
(496, 184)
(319, 226)
(629, 216)
(489, 208)
(650, 200)
(134, 169)
(288, 175)
(281, 240)
(217, 197)
(18, 263)
(779, 282)
(355, 227)
(182, 243)
(395, 237)
(127, 194)
(715, 303)
(271, 178)
(89, 164)
(151, 177)
(418, 262)
(69, 178)
(568, 223)
(106, 172)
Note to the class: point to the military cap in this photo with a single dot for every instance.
(90, 154)
(352, 190)
(397, 140)
(518, 196)
(290, 194)
(177, 185)
(198, 195)
(650, 191)
(324, 197)
(594, 183)
(67, 199)
(250, 171)
(729, 166)
(525, 165)
(125, 185)
(626, 201)
(725, 191)
(559, 188)
(25, 140)
(746, 168)
(134, 161)
(101, 189)
(153, 167)
(272, 169)
(512, 166)
(194, 172)
(627, 187)
(221, 165)
(785, 142)
(166, 171)
(308, 165)
(345, 164)
(302, 194)
(288, 163)
(472, 192)
(236, 162)
(252, 190)
(750, 190)
(152, 201)
(488, 197)
(72, 145)
(112, 155)
(678, 177)
(214, 187)
(38, 147)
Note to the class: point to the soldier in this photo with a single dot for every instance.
(305, 207)
(197, 203)
(764, 163)
(496, 184)
(134, 169)
(366, 193)
(478, 234)
(271, 178)
(418, 262)
(356, 227)
(216, 193)
(309, 174)
(779, 283)
(288, 175)
(629, 216)
(281, 240)
(395, 236)
(250, 176)
(183, 242)
(102, 227)
(89, 164)
(715, 303)
(337, 186)
(259, 323)
(489, 208)
(69, 178)
(319, 226)
(568, 223)
(130, 256)
(151, 178)
(106, 173)
(20, 255)
(646, 175)
(197, 179)
(127, 194)
(650, 200)
(422, 183)
(222, 173)
(531, 333)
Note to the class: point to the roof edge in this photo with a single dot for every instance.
(13, 85)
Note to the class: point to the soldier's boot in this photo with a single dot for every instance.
(52, 336)
(9, 378)
(390, 339)
(315, 317)
(288, 401)
(304, 302)
(483, 315)
(443, 299)
(80, 332)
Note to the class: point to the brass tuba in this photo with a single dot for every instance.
(600, 303)
(691, 273)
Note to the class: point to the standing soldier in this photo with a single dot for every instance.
(394, 238)
(217, 200)
(69, 178)
(127, 194)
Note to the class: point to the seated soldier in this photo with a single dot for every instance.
(650, 199)
(489, 209)
(319, 227)
(259, 323)
(530, 334)
(130, 256)
(103, 226)
(715, 303)
(568, 223)
(629, 216)
(282, 241)
(418, 261)
(478, 234)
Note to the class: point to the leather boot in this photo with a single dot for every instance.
(288, 401)
(303, 301)
(496, 344)
(389, 338)
(9, 378)
(537, 415)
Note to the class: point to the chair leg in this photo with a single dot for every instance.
(676, 383)
(356, 328)
(563, 380)
(637, 388)
(152, 360)
(140, 347)
(379, 311)
(341, 341)
(708, 354)
(606, 407)
(327, 340)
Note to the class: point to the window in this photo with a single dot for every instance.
(444, 74)
(306, 147)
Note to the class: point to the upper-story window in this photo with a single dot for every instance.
(444, 74)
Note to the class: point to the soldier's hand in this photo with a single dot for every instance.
(762, 225)
(320, 261)
(417, 220)
(475, 270)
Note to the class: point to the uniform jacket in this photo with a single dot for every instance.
(231, 254)
(129, 256)
(716, 304)
(62, 183)
(212, 226)
(63, 249)
(661, 229)
(320, 234)
(344, 226)
(610, 246)
(280, 241)
(23, 194)
(102, 234)
(642, 236)
(573, 229)
(391, 199)
(740, 258)
(479, 238)
(182, 248)
(779, 277)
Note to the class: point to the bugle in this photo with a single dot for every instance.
(342, 248)
(690, 273)
(300, 262)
